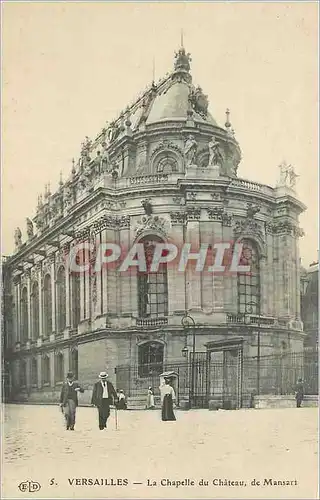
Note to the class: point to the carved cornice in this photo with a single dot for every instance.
(111, 222)
(248, 227)
(284, 228)
(153, 223)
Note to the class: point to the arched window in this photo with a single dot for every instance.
(46, 370)
(249, 283)
(74, 362)
(35, 310)
(59, 371)
(23, 373)
(24, 315)
(152, 286)
(34, 372)
(75, 299)
(150, 356)
(47, 305)
(61, 299)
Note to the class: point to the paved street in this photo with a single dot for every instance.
(237, 445)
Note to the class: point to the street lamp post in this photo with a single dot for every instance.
(186, 322)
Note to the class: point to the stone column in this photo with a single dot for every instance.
(18, 312)
(104, 279)
(125, 278)
(177, 279)
(40, 300)
(52, 368)
(67, 275)
(193, 277)
(30, 332)
(39, 367)
(206, 237)
(53, 293)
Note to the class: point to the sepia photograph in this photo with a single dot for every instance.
(160, 250)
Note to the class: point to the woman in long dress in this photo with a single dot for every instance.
(150, 399)
(167, 399)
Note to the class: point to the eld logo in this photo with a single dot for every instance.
(29, 486)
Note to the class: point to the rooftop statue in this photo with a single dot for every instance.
(199, 101)
(190, 150)
(29, 228)
(18, 237)
(288, 177)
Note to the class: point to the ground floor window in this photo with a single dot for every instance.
(59, 373)
(46, 370)
(34, 372)
(150, 359)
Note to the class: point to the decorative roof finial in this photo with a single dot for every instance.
(73, 170)
(181, 38)
(227, 124)
(60, 180)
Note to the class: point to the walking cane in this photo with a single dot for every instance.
(116, 417)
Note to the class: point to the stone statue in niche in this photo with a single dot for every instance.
(215, 157)
(29, 228)
(190, 150)
(18, 237)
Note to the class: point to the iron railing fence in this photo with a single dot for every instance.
(227, 378)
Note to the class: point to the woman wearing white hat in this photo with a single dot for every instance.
(103, 395)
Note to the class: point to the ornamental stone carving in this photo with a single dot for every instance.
(153, 223)
(177, 218)
(248, 227)
(193, 213)
(18, 238)
(215, 156)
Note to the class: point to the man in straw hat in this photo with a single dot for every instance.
(69, 400)
(103, 395)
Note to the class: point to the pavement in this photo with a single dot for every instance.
(204, 454)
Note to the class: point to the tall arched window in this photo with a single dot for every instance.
(249, 283)
(150, 356)
(47, 305)
(34, 372)
(35, 310)
(59, 371)
(61, 299)
(152, 286)
(24, 315)
(75, 299)
(46, 370)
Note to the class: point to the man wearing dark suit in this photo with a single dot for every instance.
(103, 395)
(69, 400)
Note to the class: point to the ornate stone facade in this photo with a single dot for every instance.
(164, 170)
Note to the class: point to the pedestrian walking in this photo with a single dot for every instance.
(150, 399)
(69, 400)
(167, 399)
(103, 395)
(299, 393)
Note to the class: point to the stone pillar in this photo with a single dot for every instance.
(104, 279)
(177, 279)
(39, 367)
(67, 275)
(18, 312)
(52, 368)
(53, 293)
(269, 278)
(30, 332)
(28, 372)
(206, 237)
(125, 278)
(218, 277)
(112, 282)
(40, 283)
(193, 277)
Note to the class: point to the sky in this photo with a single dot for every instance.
(68, 68)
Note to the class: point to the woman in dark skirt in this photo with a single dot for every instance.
(167, 399)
